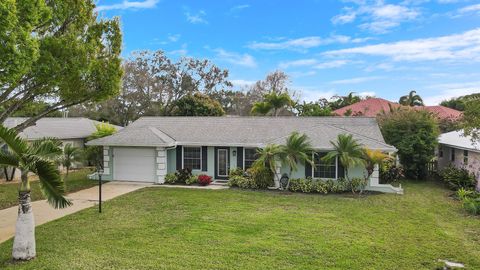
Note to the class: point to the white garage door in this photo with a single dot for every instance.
(134, 164)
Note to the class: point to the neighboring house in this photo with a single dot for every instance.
(371, 107)
(151, 147)
(459, 150)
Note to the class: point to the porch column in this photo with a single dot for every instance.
(106, 160)
(375, 178)
(161, 164)
(278, 174)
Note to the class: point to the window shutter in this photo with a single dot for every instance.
(341, 169)
(308, 169)
(240, 157)
(179, 157)
(204, 158)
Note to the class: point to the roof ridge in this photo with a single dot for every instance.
(162, 135)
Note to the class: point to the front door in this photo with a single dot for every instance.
(221, 163)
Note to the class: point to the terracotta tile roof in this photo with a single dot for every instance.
(373, 106)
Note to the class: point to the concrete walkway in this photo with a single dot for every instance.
(86, 198)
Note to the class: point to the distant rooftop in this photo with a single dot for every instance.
(459, 140)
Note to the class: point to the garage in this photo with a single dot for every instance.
(134, 164)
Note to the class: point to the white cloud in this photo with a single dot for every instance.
(129, 5)
(356, 80)
(451, 90)
(197, 18)
(239, 7)
(241, 82)
(309, 94)
(182, 51)
(331, 64)
(245, 59)
(464, 46)
(347, 17)
(470, 9)
(173, 38)
(297, 63)
(367, 94)
(304, 42)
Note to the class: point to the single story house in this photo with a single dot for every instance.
(460, 151)
(151, 147)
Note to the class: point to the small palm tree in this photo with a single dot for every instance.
(71, 154)
(297, 150)
(372, 158)
(348, 151)
(261, 108)
(412, 99)
(38, 158)
(269, 157)
(278, 101)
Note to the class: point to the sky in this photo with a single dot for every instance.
(327, 47)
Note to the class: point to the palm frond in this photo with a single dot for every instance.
(51, 183)
(46, 148)
(7, 159)
(12, 140)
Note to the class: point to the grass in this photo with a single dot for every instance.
(165, 228)
(76, 180)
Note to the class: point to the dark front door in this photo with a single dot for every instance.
(222, 162)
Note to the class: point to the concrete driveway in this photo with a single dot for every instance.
(86, 198)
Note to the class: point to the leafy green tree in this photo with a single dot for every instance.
(343, 101)
(297, 150)
(460, 102)
(471, 120)
(318, 108)
(412, 99)
(38, 158)
(56, 51)
(94, 154)
(197, 105)
(71, 154)
(415, 135)
(349, 152)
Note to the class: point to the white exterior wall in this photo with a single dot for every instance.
(161, 164)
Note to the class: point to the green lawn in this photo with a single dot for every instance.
(164, 228)
(76, 180)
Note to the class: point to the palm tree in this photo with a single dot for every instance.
(37, 158)
(261, 108)
(278, 101)
(71, 154)
(412, 99)
(372, 158)
(297, 149)
(269, 157)
(348, 151)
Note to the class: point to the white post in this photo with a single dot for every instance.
(161, 162)
(278, 174)
(374, 178)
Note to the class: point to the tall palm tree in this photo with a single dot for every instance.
(38, 158)
(297, 150)
(71, 154)
(412, 99)
(348, 151)
(278, 101)
(269, 157)
(261, 108)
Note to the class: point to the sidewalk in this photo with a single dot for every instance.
(86, 198)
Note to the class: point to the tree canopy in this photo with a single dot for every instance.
(460, 102)
(412, 99)
(197, 105)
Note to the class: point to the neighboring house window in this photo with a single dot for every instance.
(324, 169)
(452, 154)
(440, 152)
(192, 158)
(465, 156)
(249, 157)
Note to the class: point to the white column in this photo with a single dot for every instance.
(161, 164)
(278, 174)
(375, 178)
(106, 160)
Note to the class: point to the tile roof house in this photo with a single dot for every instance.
(458, 150)
(151, 147)
(373, 106)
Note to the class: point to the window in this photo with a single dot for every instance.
(465, 156)
(324, 169)
(452, 154)
(440, 152)
(249, 157)
(192, 158)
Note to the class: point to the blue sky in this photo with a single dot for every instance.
(328, 47)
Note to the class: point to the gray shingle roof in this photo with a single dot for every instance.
(61, 128)
(243, 131)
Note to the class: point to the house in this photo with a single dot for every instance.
(371, 107)
(151, 147)
(73, 130)
(459, 150)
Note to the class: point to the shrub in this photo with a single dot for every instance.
(261, 176)
(170, 178)
(192, 180)
(337, 186)
(357, 184)
(390, 172)
(470, 200)
(204, 180)
(183, 175)
(456, 178)
(319, 186)
(242, 182)
(237, 172)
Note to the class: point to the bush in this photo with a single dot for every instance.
(204, 180)
(319, 186)
(456, 178)
(237, 172)
(390, 172)
(191, 180)
(309, 185)
(357, 184)
(170, 178)
(183, 175)
(242, 182)
(261, 176)
(470, 200)
(337, 186)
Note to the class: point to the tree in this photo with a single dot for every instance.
(471, 120)
(412, 99)
(57, 52)
(273, 102)
(94, 154)
(459, 102)
(261, 108)
(319, 108)
(71, 154)
(372, 158)
(348, 151)
(414, 133)
(197, 105)
(37, 158)
(297, 150)
(268, 157)
(343, 101)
